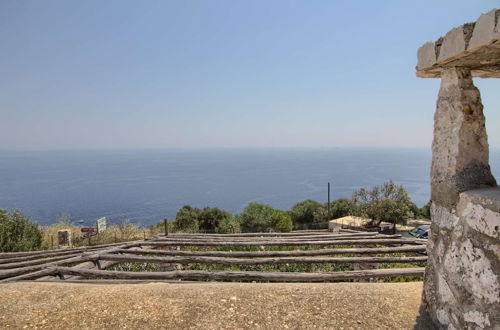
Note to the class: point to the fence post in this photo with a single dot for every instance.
(144, 232)
(166, 226)
(52, 242)
(115, 236)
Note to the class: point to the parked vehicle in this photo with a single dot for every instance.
(420, 231)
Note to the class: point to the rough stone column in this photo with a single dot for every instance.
(461, 283)
(460, 146)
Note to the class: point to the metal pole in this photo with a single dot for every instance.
(166, 226)
(328, 200)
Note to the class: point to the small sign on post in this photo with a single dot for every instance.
(101, 224)
(64, 238)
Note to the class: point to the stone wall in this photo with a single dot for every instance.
(462, 284)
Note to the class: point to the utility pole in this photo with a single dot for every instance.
(328, 201)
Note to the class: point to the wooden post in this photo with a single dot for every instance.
(144, 232)
(52, 242)
(329, 201)
(166, 226)
(115, 236)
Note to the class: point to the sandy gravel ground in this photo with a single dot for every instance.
(211, 306)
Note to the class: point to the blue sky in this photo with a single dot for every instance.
(160, 74)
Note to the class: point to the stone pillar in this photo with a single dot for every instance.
(460, 146)
(461, 287)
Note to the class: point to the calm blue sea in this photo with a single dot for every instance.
(149, 185)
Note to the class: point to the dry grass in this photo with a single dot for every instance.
(122, 232)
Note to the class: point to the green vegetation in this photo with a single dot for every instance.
(389, 202)
(257, 217)
(18, 233)
(302, 213)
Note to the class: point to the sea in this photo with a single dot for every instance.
(147, 186)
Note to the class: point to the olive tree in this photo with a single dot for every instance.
(389, 202)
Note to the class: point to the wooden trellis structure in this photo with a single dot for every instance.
(319, 247)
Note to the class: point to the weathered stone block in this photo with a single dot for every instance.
(453, 44)
(486, 30)
(426, 55)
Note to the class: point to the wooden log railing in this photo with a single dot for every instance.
(257, 261)
(83, 263)
(257, 254)
(378, 241)
(242, 276)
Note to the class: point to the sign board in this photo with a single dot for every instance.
(88, 229)
(64, 237)
(101, 224)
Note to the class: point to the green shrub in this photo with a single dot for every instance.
(229, 226)
(280, 221)
(302, 213)
(18, 233)
(209, 219)
(186, 219)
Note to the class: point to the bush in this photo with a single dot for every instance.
(18, 233)
(257, 217)
(302, 213)
(209, 219)
(186, 219)
(280, 222)
(229, 226)
(338, 208)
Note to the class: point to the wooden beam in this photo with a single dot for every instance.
(29, 269)
(375, 241)
(296, 253)
(244, 276)
(258, 261)
(45, 253)
(36, 261)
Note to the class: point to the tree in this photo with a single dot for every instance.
(389, 202)
(280, 221)
(302, 213)
(210, 218)
(186, 219)
(18, 233)
(425, 211)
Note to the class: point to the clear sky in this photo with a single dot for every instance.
(223, 73)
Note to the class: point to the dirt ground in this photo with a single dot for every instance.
(211, 306)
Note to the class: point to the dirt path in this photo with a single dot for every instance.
(210, 306)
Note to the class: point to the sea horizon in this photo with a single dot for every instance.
(148, 185)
